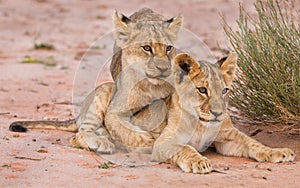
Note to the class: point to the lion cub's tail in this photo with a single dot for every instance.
(22, 126)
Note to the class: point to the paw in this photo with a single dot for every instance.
(105, 146)
(92, 141)
(276, 155)
(78, 141)
(196, 165)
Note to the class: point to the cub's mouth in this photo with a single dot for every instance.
(206, 120)
(157, 76)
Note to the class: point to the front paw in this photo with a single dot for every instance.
(196, 165)
(276, 155)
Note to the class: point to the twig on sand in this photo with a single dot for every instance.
(64, 103)
(255, 132)
(218, 171)
(292, 129)
(28, 158)
(4, 113)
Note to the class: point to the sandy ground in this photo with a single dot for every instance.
(37, 91)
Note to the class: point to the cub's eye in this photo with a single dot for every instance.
(147, 48)
(224, 91)
(169, 48)
(202, 90)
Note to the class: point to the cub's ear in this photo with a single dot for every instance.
(228, 66)
(184, 65)
(121, 24)
(174, 24)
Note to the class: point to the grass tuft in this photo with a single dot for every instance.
(268, 47)
(105, 165)
(44, 46)
(49, 61)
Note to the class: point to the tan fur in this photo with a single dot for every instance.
(197, 119)
(139, 74)
(142, 81)
(139, 82)
(142, 16)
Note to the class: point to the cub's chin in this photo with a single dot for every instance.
(208, 122)
(156, 80)
(204, 120)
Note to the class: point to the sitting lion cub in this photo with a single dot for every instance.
(142, 61)
(198, 117)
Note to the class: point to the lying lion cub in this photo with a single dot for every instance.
(198, 117)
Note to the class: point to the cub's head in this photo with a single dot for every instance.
(147, 44)
(203, 87)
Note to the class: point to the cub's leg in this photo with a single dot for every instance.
(232, 142)
(190, 160)
(91, 131)
(171, 147)
(129, 108)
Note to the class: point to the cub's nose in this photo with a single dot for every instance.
(216, 114)
(162, 70)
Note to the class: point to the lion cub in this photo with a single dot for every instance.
(140, 66)
(198, 118)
